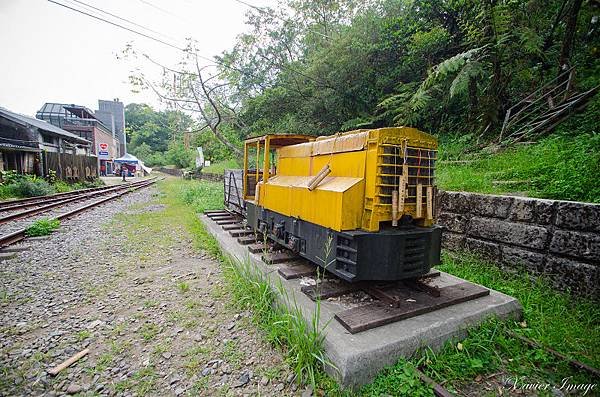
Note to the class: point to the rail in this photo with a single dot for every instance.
(21, 234)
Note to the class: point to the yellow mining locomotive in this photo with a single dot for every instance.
(358, 203)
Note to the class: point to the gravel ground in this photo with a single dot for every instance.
(153, 312)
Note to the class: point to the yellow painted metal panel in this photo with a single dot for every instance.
(299, 150)
(349, 164)
(299, 166)
(336, 203)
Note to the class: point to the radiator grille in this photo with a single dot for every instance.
(420, 164)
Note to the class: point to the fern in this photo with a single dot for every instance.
(460, 84)
(530, 42)
(447, 67)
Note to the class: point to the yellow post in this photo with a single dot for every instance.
(257, 159)
(245, 174)
(429, 203)
(267, 160)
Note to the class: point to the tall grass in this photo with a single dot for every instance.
(278, 315)
(561, 167)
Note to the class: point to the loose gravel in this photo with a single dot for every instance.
(153, 311)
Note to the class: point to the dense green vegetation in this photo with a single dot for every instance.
(490, 354)
(448, 67)
(14, 185)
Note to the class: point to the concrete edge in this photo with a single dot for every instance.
(360, 357)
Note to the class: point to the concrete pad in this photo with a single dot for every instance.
(359, 357)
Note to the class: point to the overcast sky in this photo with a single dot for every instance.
(51, 54)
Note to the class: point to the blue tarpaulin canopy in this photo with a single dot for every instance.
(127, 158)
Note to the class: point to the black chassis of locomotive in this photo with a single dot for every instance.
(387, 255)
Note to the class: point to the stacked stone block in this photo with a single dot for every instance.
(557, 238)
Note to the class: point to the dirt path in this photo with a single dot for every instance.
(153, 311)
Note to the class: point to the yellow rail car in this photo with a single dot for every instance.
(359, 203)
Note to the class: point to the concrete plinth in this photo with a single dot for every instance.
(361, 356)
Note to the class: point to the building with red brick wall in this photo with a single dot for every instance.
(81, 121)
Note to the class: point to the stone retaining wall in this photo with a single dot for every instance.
(557, 238)
(170, 171)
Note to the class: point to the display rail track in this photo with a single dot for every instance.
(294, 267)
(118, 191)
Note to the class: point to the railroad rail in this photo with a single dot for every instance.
(106, 194)
(43, 205)
(8, 205)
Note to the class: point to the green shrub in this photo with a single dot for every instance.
(42, 227)
(6, 192)
(33, 187)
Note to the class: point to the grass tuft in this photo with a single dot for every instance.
(42, 227)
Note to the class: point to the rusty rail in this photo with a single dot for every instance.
(19, 235)
(59, 202)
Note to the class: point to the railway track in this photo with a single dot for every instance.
(17, 215)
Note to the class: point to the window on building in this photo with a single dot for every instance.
(48, 138)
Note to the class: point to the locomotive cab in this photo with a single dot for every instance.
(359, 204)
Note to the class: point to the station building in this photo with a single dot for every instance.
(32, 146)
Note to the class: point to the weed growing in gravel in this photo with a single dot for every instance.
(150, 303)
(83, 335)
(232, 354)
(4, 297)
(148, 331)
(42, 227)
(195, 358)
(183, 287)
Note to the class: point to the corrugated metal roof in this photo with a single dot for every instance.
(41, 124)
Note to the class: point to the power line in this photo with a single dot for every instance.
(119, 26)
(121, 18)
(165, 11)
(182, 49)
(134, 31)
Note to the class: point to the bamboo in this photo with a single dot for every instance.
(401, 196)
(314, 182)
(257, 192)
(65, 364)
